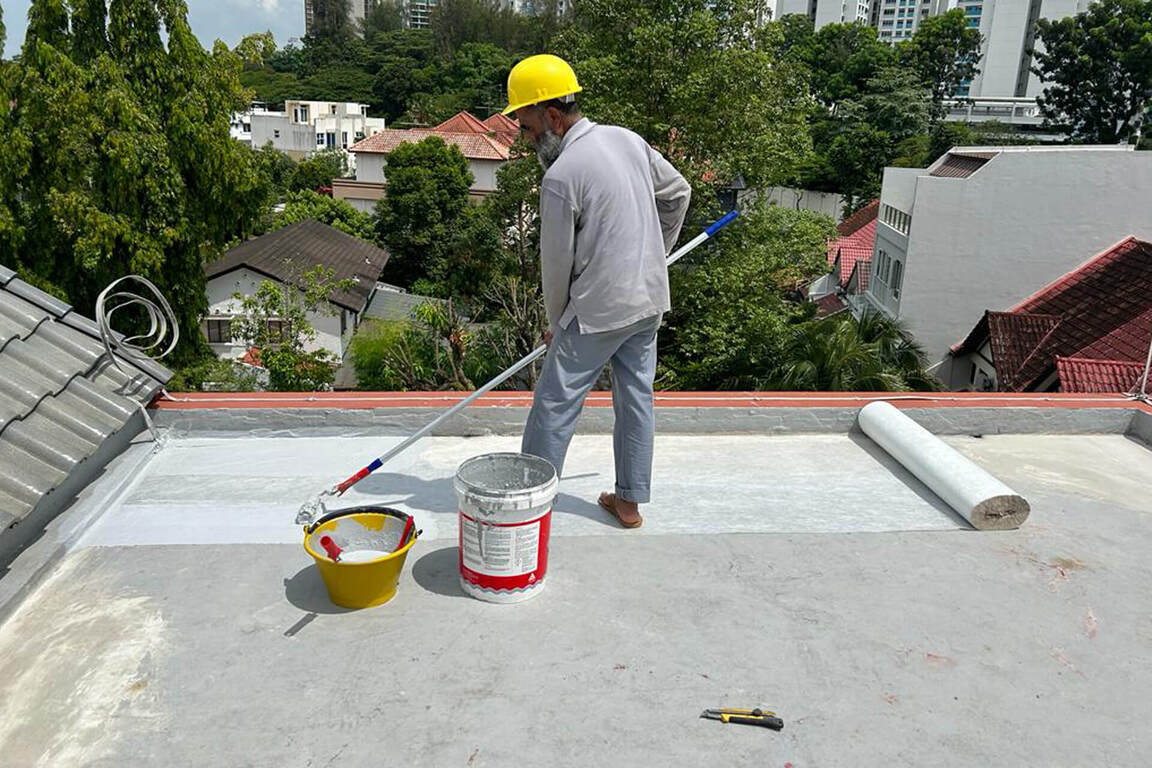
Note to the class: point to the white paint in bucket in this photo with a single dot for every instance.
(505, 502)
(362, 555)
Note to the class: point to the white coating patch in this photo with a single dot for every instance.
(248, 490)
(73, 662)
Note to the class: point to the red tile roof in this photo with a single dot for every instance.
(475, 146)
(857, 240)
(1100, 311)
(505, 127)
(858, 219)
(829, 305)
(1078, 374)
(462, 122)
(857, 282)
(855, 247)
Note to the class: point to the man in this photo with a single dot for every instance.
(611, 208)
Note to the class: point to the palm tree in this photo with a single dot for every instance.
(839, 353)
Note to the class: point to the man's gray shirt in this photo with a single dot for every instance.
(611, 208)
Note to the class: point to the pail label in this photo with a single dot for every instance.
(504, 555)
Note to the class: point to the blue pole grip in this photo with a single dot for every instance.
(721, 223)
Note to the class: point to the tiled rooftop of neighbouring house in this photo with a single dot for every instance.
(287, 253)
(856, 242)
(1099, 311)
(785, 561)
(474, 146)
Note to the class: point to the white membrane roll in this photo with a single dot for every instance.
(981, 499)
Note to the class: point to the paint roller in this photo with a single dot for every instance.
(985, 502)
(315, 508)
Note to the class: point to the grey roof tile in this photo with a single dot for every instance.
(12, 510)
(23, 476)
(21, 316)
(75, 343)
(38, 354)
(6, 274)
(61, 395)
(71, 411)
(38, 297)
(50, 441)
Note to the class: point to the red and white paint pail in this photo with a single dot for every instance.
(505, 502)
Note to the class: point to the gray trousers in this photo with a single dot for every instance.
(571, 367)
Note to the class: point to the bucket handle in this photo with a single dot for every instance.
(338, 513)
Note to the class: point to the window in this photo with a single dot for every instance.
(275, 134)
(277, 330)
(331, 136)
(218, 331)
(319, 139)
(344, 139)
(300, 114)
(897, 278)
(333, 109)
(343, 322)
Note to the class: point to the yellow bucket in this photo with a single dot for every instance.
(368, 537)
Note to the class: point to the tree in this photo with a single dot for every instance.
(730, 315)
(318, 170)
(340, 214)
(134, 168)
(433, 351)
(345, 82)
(331, 21)
(404, 64)
(944, 52)
(841, 58)
(698, 80)
(514, 207)
(1097, 67)
(876, 354)
(428, 184)
(275, 321)
(383, 16)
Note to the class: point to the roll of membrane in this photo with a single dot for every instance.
(985, 502)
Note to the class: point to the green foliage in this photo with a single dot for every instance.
(1097, 68)
(213, 374)
(841, 58)
(433, 351)
(943, 53)
(428, 184)
(404, 63)
(339, 83)
(729, 315)
(384, 16)
(698, 80)
(331, 21)
(515, 210)
(134, 169)
(456, 23)
(277, 168)
(271, 87)
(318, 170)
(876, 354)
(275, 321)
(307, 204)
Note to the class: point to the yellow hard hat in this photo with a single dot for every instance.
(540, 78)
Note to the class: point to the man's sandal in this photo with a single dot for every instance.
(610, 507)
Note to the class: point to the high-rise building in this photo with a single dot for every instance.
(1007, 26)
(826, 11)
(357, 10)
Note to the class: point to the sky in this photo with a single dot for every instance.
(227, 20)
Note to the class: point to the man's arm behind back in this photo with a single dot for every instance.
(673, 193)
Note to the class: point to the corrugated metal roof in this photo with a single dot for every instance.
(60, 395)
(961, 165)
(394, 305)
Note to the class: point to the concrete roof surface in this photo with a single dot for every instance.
(805, 573)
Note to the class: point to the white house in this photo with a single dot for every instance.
(307, 126)
(983, 226)
(485, 144)
(283, 256)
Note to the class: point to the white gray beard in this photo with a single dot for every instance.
(548, 149)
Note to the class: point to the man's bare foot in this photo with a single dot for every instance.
(627, 513)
